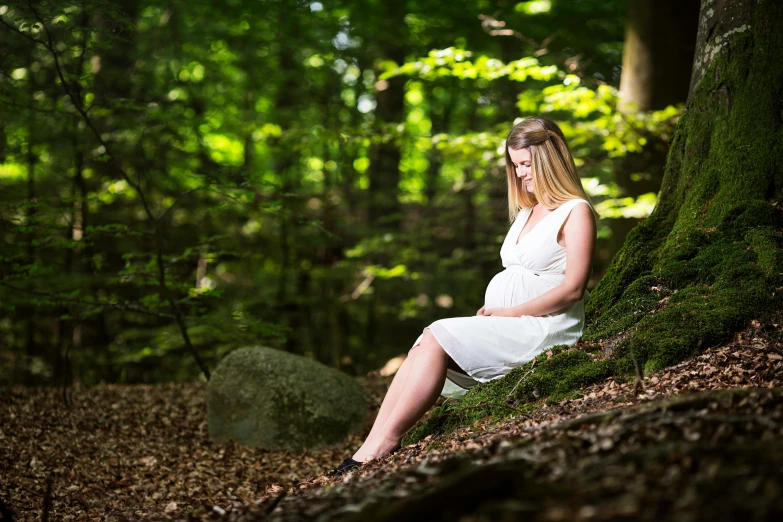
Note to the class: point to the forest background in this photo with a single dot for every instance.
(180, 179)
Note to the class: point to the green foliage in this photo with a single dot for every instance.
(591, 111)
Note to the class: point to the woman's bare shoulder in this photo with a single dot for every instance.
(582, 208)
(580, 218)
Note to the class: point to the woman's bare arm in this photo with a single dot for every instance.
(579, 238)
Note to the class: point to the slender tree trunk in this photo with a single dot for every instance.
(385, 210)
(69, 332)
(32, 349)
(114, 57)
(66, 329)
(287, 102)
(328, 254)
(440, 116)
(468, 234)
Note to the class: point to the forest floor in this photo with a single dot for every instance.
(143, 452)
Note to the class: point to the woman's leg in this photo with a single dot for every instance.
(395, 389)
(419, 390)
(389, 401)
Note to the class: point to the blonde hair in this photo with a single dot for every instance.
(555, 179)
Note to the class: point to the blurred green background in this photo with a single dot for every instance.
(178, 179)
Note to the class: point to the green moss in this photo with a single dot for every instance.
(640, 299)
(764, 241)
(631, 262)
(705, 262)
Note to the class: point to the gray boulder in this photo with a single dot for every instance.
(274, 400)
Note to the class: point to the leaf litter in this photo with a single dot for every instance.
(142, 452)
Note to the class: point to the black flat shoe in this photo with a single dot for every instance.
(347, 466)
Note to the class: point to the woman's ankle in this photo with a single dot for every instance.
(376, 448)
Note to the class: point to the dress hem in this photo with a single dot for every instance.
(440, 337)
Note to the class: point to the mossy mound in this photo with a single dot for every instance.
(275, 400)
(708, 259)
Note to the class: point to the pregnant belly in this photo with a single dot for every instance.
(514, 287)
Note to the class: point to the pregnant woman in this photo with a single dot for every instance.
(536, 303)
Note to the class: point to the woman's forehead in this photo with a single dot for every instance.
(519, 155)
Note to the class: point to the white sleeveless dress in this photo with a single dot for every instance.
(489, 347)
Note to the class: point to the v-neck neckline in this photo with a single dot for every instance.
(519, 238)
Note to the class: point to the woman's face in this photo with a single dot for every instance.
(521, 163)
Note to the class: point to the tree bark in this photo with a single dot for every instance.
(708, 258)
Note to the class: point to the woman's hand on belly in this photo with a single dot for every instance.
(500, 312)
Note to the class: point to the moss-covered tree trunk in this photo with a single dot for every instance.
(709, 257)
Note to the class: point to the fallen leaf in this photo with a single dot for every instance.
(149, 461)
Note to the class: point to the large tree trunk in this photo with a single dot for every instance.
(709, 257)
